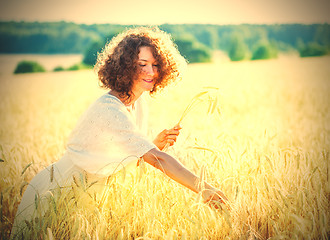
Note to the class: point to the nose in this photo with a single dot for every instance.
(149, 70)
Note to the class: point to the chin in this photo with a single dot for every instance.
(148, 89)
(149, 86)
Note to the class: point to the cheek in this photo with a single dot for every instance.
(139, 74)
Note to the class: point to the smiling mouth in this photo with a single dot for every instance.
(148, 80)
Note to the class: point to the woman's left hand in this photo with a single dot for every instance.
(167, 137)
(216, 198)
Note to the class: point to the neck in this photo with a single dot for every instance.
(126, 102)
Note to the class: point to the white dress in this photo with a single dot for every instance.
(107, 138)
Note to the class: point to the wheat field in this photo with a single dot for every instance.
(266, 145)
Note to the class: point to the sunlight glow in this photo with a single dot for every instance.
(171, 11)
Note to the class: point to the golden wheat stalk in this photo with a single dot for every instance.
(196, 100)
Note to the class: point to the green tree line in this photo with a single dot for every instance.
(195, 41)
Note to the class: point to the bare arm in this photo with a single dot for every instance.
(175, 170)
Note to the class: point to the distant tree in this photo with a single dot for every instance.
(58, 69)
(90, 55)
(283, 47)
(78, 66)
(237, 49)
(47, 37)
(91, 52)
(74, 67)
(207, 36)
(28, 67)
(299, 43)
(312, 49)
(264, 50)
(184, 46)
(199, 55)
(193, 51)
(66, 37)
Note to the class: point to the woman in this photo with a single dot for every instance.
(111, 133)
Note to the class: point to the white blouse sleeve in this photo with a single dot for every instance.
(106, 138)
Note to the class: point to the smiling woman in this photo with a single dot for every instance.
(112, 132)
(132, 53)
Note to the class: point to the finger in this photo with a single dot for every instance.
(173, 132)
(164, 133)
(171, 137)
(177, 127)
(223, 200)
(222, 196)
(171, 142)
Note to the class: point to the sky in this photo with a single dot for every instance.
(153, 12)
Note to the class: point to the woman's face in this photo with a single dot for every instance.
(148, 71)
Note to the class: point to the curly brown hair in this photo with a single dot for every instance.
(117, 63)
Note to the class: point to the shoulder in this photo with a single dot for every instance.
(106, 109)
(108, 104)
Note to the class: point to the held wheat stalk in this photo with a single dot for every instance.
(212, 100)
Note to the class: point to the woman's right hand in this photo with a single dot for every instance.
(167, 137)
